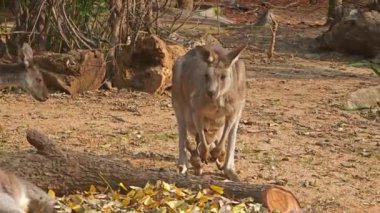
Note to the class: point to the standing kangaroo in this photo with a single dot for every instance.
(25, 75)
(14, 196)
(208, 96)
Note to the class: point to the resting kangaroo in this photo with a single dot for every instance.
(25, 75)
(208, 96)
(14, 196)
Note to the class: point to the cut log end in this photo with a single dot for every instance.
(73, 72)
(277, 198)
(42, 143)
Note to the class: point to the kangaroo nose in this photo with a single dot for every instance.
(211, 94)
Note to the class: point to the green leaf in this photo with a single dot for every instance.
(362, 63)
(376, 68)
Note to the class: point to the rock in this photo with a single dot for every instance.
(358, 33)
(364, 98)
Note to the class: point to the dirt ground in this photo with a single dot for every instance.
(293, 132)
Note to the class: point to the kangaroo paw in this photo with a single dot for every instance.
(204, 152)
(182, 169)
(220, 164)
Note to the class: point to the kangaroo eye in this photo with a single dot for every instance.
(39, 80)
(222, 77)
(207, 77)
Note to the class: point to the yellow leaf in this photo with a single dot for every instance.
(175, 204)
(131, 193)
(166, 186)
(166, 193)
(203, 199)
(148, 186)
(51, 193)
(194, 209)
(91, 197)
(123, 187)
(70, 204)
(77, 199)
(179, 192)
(115, 195)
(163, 210)
(92, 189)
(214, 210)
(214, 207)
(126, 202)
(147, 200)
(149, 189)
(217, 189)
(199, 195)
(135, 187)
(76, 208)
(139, 195)
(239, 208)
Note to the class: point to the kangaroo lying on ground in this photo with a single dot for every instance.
(208, 96)
(26, 75)
(14, 196)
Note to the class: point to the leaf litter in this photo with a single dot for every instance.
(160, 197)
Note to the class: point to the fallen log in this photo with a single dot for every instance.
(67, 171)
(148, 67)
(73, 72)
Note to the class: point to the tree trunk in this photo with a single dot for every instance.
(65, 172)
(186, 4)
(334, 11)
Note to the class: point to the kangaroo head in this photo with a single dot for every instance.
(218, 77)
(34, 82)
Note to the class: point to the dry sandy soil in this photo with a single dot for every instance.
(293, 132)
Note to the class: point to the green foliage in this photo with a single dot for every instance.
(376, 68)
(365, 63)
(85, 9)
(6, 3)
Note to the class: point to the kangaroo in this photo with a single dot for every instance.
(208, 97)
(14, 196)
(25, 75)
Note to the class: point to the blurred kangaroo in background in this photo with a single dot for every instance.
(208, 96)
(26, 75)
(14, 196)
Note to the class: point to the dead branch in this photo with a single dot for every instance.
(37, 18)
(273, 28)
(270, 5)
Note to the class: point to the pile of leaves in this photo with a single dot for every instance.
(160, 197)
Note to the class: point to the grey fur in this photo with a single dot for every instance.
(19, 196)
(25, 74)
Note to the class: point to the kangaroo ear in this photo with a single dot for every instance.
(26, 54)
(206, 54)
(234, 55)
